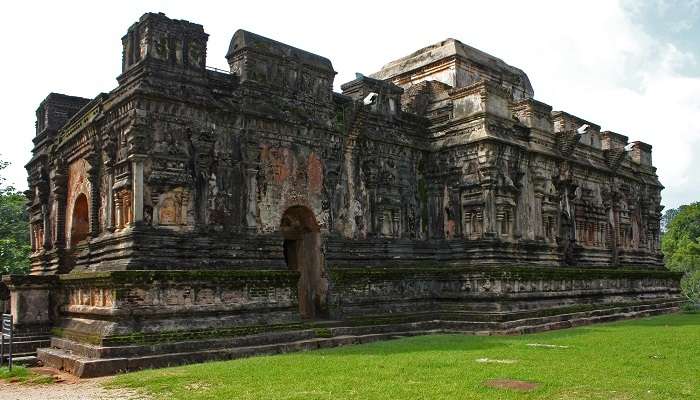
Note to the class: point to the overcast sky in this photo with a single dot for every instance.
(632, 67)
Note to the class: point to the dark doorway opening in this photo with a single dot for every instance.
(302, 253)
(80, 221)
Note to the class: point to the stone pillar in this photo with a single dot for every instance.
(59, 195)
(32, 238)
(489, 214)
(47, 225)
(251, 206)
(93, 177)
(30, 302)
(614, 216)
(489, 174)
(137, 182)
(118, 210)
(537, 219)
(109, 207)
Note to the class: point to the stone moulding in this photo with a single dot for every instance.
(503, 272)
(141, 277)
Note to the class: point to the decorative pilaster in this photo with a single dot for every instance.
(251, 204)
(137, 186)
(47, 226)
(93, 177)
(109, 207)
(488, 186)
(108, 158)
(60, 192)
(43, 191)
(119, 217)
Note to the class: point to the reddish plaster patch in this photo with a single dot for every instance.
(314, 171)
(450, 229)
(280, 163)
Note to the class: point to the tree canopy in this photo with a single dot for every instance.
(14, 230)
(681, 247)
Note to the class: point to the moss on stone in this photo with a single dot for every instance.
(270, 277)
(341, 275)
(174, 336)
(323, 332)
(77, 336)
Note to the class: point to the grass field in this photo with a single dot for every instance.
(654, 358)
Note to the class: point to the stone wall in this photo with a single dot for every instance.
(437, 169)
(120, 308)
(450, 293)
(127, 307)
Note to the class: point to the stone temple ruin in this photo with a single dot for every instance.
(194, 214)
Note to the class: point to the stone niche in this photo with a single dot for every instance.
(78, 201)
(172, 208)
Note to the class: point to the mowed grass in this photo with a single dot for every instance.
(654, 358)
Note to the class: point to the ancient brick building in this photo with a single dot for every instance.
(192, 213)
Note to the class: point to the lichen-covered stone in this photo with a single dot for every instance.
(190, 203)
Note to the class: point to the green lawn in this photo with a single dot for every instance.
(654, 358)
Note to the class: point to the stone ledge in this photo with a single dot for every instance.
(339, 274)
(15, 282)
(145, 277)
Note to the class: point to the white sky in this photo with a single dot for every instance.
(594, 59)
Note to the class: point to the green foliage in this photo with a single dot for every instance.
(16, 372)
(21, 374)
(691, 287)
(653, 358)
(668, 216)
(681, 247)
(14, 230)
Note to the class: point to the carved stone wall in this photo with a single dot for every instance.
(390, 160)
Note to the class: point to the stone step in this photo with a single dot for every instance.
(24, 360)
(28, 346)
(71, 356)
(85, 367)
(128, 351)
(586, 314)
(574, 322)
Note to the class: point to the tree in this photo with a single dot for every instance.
(681, 248)
(668, 217)
(14, 231)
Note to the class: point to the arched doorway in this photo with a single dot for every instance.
(80, 221)
(302, 252)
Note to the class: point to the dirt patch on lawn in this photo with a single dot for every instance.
(512, 384)
(59, 385)
(56, 375)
